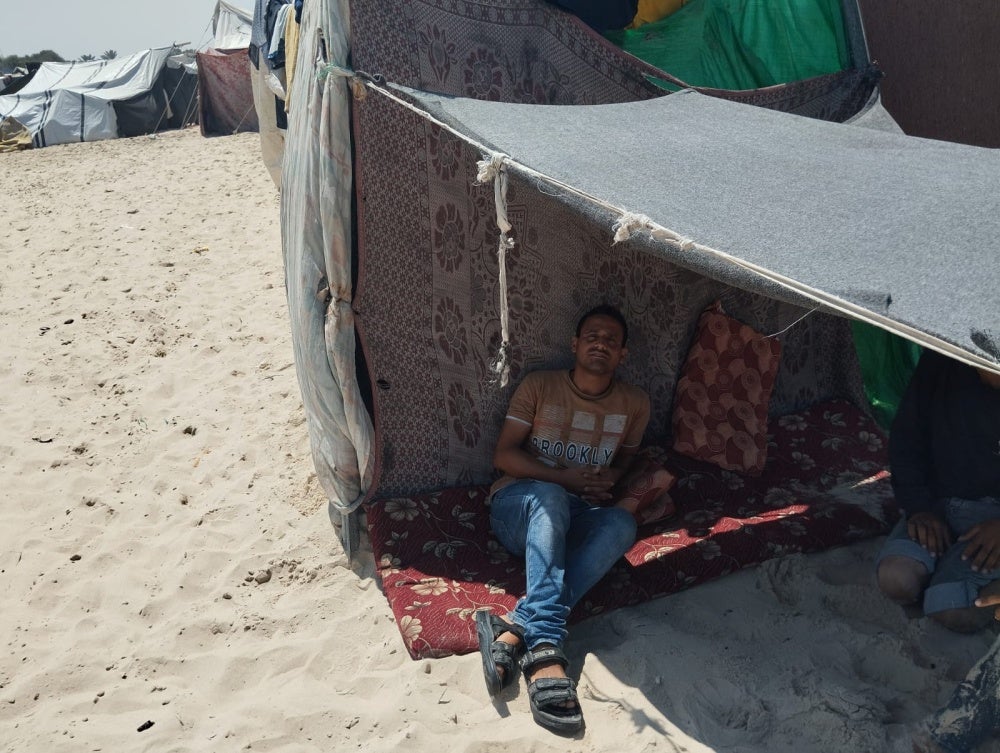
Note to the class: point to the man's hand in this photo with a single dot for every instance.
(990, 601)
(591, 483)
(930, 531)
(984, 545)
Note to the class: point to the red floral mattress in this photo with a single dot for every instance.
(825, 484)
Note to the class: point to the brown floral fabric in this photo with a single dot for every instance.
(824, 485)
(723, 394)
(643, 492)
(225, 95)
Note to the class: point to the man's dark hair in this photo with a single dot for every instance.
(605, 309)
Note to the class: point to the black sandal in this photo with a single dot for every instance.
(547, 694)
(495, 653)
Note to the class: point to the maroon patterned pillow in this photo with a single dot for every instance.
(720, 408)
(643, 492)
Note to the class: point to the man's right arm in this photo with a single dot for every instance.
(511, 458)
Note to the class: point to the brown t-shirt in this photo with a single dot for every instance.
(569, 428)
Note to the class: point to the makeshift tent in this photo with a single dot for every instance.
(659, 204)
(96, 100)
(225, 92)
(520, 51)
(231, 26)
(180, 81)
(14, 82)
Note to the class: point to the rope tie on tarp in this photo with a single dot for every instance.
(491, 170)
(357, 79)
(630, 222)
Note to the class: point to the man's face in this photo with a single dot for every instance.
(599, 348)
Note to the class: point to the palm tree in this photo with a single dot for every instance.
(87, 58)
(109, 55)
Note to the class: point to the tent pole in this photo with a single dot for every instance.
(348, 527)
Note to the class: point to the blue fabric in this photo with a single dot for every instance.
(954, 584)
(567, 545)
(298, 11)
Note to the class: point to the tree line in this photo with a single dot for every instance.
(10, 62)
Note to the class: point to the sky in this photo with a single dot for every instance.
(76, 27)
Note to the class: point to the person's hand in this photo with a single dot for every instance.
(983, 549)
(989, 601)
(930, 531)
(592, 483)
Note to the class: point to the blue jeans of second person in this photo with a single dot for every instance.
(567, 546)
(954, 584)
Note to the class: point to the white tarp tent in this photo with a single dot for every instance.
(66, 102)
(232, 26)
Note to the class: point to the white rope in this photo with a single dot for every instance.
(810, 311)
(491, 169)
(669, 236)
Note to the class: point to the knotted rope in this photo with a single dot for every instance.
(492, 170)
(629, 222)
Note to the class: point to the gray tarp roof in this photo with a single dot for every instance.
(895, 230)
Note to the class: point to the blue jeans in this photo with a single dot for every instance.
(567, 545)
(954, 584)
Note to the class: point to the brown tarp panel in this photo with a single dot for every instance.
(941, 63)
(225, 93)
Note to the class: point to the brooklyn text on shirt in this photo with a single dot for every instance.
(575, 452)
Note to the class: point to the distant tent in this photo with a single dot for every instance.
(180, 79)
(103, 99)
(225, 93)
(224, 88)
(14, 82)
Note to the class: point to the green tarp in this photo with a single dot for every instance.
(887, 361)
(743, 44)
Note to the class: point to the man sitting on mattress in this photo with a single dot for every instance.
(944, 453)
(568, 437)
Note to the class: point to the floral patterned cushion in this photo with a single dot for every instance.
(824, 485)
(722, 398)
(643, 492)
